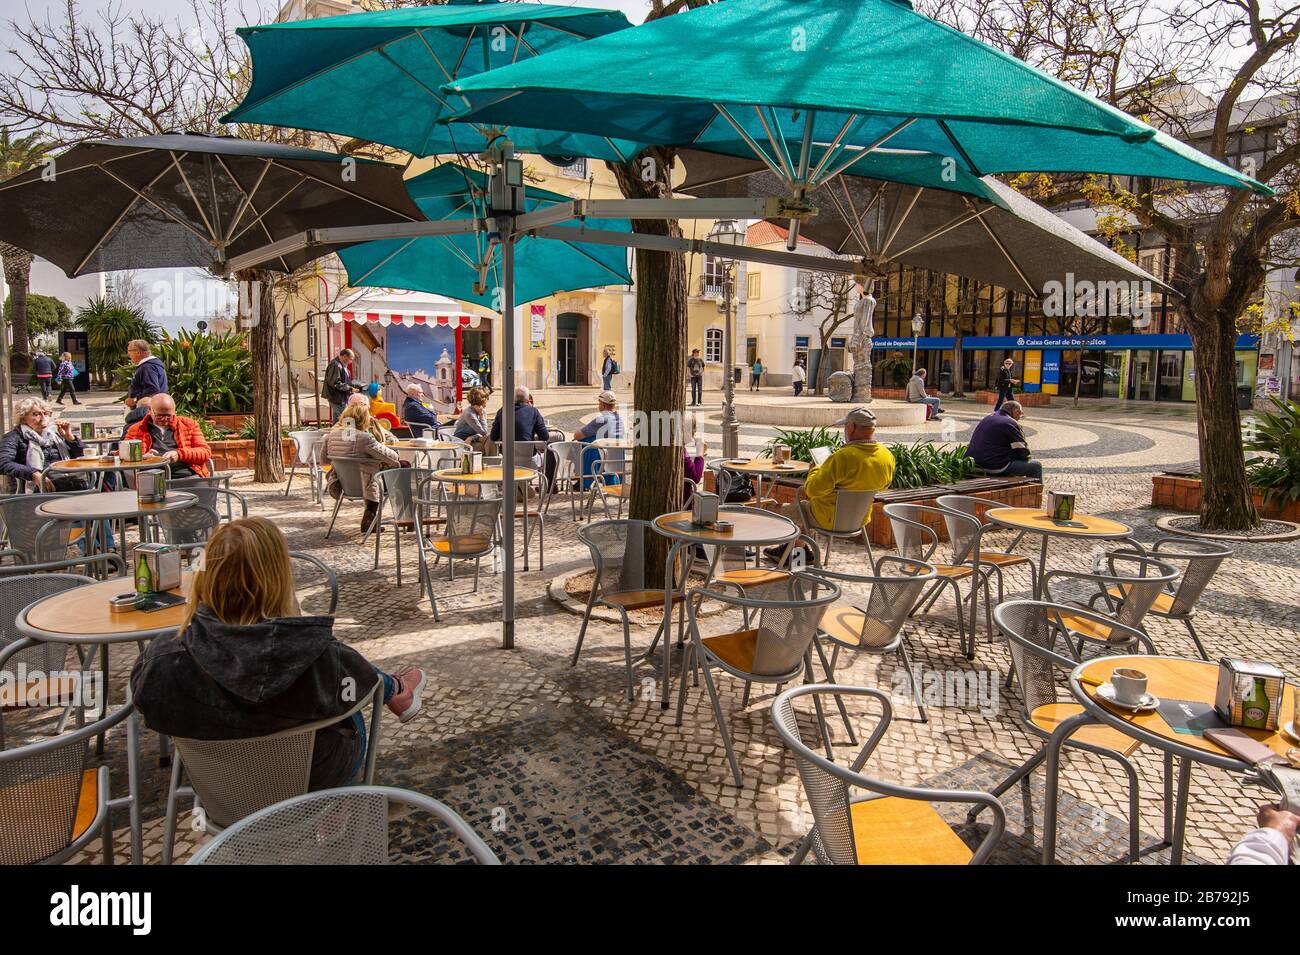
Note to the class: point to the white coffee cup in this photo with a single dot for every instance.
(1130, 685)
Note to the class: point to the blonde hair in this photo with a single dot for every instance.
(359, 415)
(28, 405)
(66, 356)
(246, 576)
(478, 396)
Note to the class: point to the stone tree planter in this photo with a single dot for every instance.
(1182, 492)
(238, 455)
(1027, 399)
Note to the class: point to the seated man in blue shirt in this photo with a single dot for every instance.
(607, 424)
(529, 423)
(998, 444)
(416, 412)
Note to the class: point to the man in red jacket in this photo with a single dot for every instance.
(179, 440)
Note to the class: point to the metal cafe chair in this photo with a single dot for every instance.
(346, 826)
(889, 824)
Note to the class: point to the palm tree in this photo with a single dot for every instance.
(18, 156)
(108, 327)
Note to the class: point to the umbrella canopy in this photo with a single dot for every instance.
(811, 87)
(181, 200)
(1000, 238)
(468, 267)
(377, 75)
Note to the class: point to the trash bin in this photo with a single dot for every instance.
(945, 381)
(1245, 398)
(737, 373)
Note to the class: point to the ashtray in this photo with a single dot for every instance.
(723, 527)
(124, 603)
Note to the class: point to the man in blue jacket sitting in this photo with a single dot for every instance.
(998, 445)
(415, 411)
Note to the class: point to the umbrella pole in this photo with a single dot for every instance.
(508, 431)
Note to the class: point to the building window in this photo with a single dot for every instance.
(801, 348)
(574, 170)
(311, 337)
(711, 281)
(713, 345)
(755, 288)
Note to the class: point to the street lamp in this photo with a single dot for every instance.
(728, 232)
(918, 325)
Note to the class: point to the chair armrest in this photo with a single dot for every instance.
(112, 559)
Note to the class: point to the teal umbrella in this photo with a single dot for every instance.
(469, 267)
(813, 87)
(376, 76)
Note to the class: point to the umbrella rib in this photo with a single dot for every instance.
(778, 144)
(1003, 249)
(261, 215)
(893, 233)
(749, 140)
(859, 217)
(180, 170)
(954, 223)
(464, 52)
(415, 79)
(833, 148)
(835, 171)
(382, 262)
(248, 199)
(355, 195)
(13, 182)
(167, 212)
(135, 196)
(429, 49)
(851, 219)
(587, 255)
(970, 163)
(805, 147)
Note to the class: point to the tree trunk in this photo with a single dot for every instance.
(1226, 502)
(18, 269)
(958, 366)
(660, 381)
(268, 463)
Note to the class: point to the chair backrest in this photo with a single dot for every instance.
(188, 525)
(612, 463)
(851, 509)
(471, 521)
(912, 537)
(976, 507)
(618, 552)
(397, 490)
(24, 527)
(347, 826)
(1140, 580)
(789, 612)
(350, 476)
(829, 786)
(236, 777)
(17, 593)
(891, 598)
(307, 445)
(309, 573)
(1199, 559)
(964, 529)
(1040, 647)
(416, 429)
(568, 458)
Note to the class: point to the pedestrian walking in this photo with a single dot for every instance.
(65, 377)
(1005, 383)
(755, 373)
(695, 371)
(798, 376)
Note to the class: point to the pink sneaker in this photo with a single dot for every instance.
(405, 703)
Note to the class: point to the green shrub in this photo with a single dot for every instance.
(206, 373)
(922, 464)
(1277, 433)
(802, 442)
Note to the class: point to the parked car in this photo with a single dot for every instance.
(468, 379)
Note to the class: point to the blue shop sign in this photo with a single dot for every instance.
(1010, 342)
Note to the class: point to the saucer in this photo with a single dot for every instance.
(1148, 702)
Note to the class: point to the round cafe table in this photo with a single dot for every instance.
(1168, 678)
(766, 467)
(752, 527)
(114, 505)
(101, 465)
(492, 475)
(426, 449)
(1034, 521)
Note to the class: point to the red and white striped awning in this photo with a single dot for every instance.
(386, 318)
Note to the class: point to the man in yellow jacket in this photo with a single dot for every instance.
(861, 464)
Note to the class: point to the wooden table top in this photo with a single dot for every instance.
(751, 526)
(1037, 521)
(766, 466)
(84, 611)
(96, 507)
(492, 475)
(407, 445)
(1171, 678)
(97, 463)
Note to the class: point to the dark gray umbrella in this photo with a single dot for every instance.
(987, 232)
(184, 200)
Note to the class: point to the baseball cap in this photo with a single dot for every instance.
(859, 416)
(607, 397)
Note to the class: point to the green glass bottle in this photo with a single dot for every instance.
(1254, 708)
(143, 575)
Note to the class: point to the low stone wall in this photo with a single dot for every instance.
(1028, 399)
(1182, 493)
(230, 422)
(238, 455)
(822, 412)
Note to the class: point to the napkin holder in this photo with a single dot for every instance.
(704, 508)
(1235, 693)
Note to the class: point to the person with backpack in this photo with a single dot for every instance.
(608, 369)
(65, 376)
(43, 369)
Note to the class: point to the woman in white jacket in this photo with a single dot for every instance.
(351, 438)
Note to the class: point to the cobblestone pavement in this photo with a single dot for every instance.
(553, 763)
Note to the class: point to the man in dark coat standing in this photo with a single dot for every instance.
(150, 375)
(338, 385)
